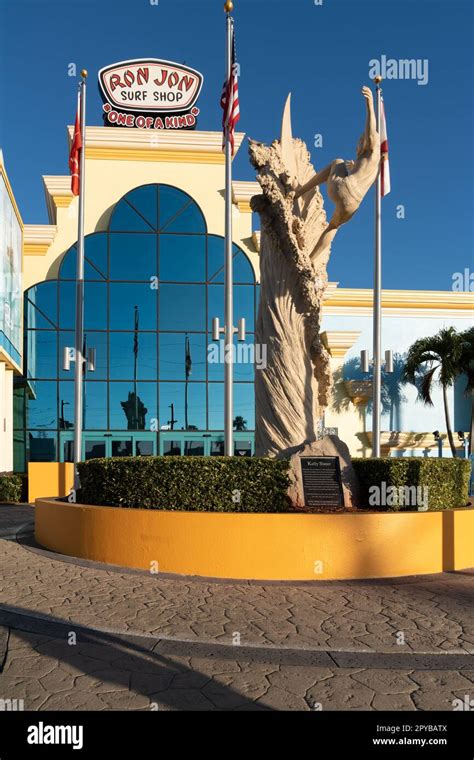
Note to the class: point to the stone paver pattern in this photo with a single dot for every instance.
(431, 614)
(98, 671)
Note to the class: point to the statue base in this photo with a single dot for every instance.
(309, 472)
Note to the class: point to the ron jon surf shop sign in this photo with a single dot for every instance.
(150, 94)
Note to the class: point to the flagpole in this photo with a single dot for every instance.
(228, 273)
(78, 355)
(377, 304)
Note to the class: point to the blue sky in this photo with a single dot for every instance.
(319, 52)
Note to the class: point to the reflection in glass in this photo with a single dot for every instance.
(243, 448)
(244, 406)
(43, 300)
(68, 451)
(46, 352)
(95, 405)
(217, 449)
(144, 448)
(194, 448)
(94, 449)
(132, 257)
(129, 400)
(66, 404)
(97, 340)
(173, 356)
(95, 259)
(95, 247)
(171, 448)
(133, 355)
(244, 359)
(124, 296)
(41, 446)
(122, 448)
(190, 416)
(131, 409)
(95, 306)
(242, 268)
(42, 411)
(182, 258)
(182, 307)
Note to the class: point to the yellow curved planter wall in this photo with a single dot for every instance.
(261, 546)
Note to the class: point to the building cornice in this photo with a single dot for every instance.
(37, 238)
(242, 192)
(351, 301)
(338, 342)
(177, 146)
(58, 193)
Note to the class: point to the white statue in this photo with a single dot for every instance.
(294, 389)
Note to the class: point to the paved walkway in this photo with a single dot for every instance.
(16, 520)
(77, 635)
(431, 614)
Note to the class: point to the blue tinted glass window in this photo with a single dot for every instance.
(95, 251)
(42, 409)
(45, 343)
(130, 410)
(95, 405)
(244, 359)
(43, 299)
(242, 268)
(176, 361)
(126, 218)
(183, 258)
(123, 299)
(182, 307)
(133, 354)
(132, 257)
(41, 446)
(66, 404)
(189, 406)
(178, 212)
(145, 201)
(155, 231)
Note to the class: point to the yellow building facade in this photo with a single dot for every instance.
(118, 161)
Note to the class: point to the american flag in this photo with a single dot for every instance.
(230, 102)
(384, 166)
(74, 155)
(135, 332)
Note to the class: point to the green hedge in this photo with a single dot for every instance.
(202, 484)
(10, 487)
(447, 480)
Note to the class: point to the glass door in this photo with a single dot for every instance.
(99, 445)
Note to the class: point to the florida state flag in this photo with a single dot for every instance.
(74, 156)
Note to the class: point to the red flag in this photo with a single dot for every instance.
(384, 166)
(74, 155)
(230, 102)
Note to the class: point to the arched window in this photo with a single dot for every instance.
(153, 283)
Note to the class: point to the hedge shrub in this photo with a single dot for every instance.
(10, 487)
(202, 484)
(447, 480)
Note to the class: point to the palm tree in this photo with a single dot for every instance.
(466, 364)
(438, 355)
(240, 423)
